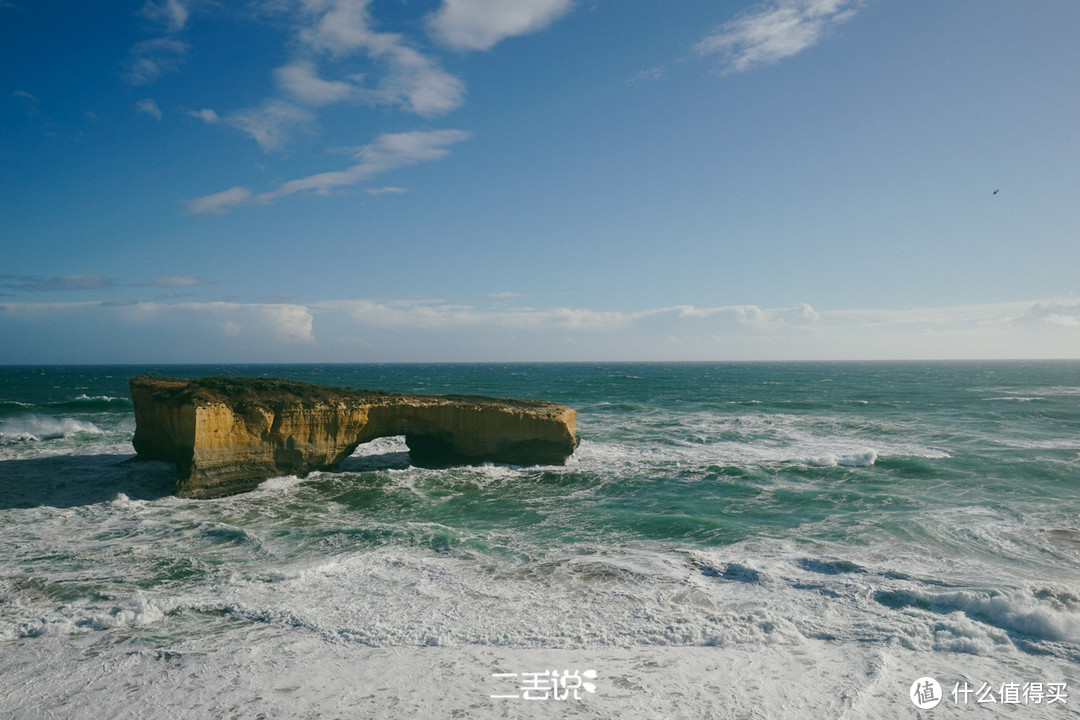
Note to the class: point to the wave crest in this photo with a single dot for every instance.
(35, 429)
(865, 458)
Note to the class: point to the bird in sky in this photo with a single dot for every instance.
(995, 192)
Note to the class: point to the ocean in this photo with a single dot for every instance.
(730, 540)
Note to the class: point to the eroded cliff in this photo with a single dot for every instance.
(226, 435)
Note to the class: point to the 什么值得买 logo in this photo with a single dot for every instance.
(925, 693)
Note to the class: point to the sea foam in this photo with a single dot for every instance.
(38, 428)
(851, 555)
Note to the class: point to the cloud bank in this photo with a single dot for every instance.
(431, 330)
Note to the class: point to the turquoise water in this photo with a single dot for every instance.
(931, 509)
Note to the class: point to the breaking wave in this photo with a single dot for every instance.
(34, 428)
(92, 402)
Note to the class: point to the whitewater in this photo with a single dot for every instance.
(730, 540)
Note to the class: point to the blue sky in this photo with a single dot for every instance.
(498, 180)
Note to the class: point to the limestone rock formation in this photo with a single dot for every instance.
(226, 435)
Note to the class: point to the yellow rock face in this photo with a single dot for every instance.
(226, 435)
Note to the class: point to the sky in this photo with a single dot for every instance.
(538, 180)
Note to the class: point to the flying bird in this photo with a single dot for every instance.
(995, 192)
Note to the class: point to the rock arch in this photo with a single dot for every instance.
(227, 435)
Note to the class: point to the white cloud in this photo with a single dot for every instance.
(155, 332)
(172, 15)
(1070, 321)
(774, 30)
(738, 332)
(64, 283)
(800, 313)
(29, 101)
(336, 30)
(271, 124)
(147, 106)
(431, 330)
(175, 281)
(480, 24)
(287, 323)
(207, 115)
(328, 37)
(277, 322)
(1060, 313)
(284, 323)
(418, 84)
(150, 59)
(935, 317)
(300, 80)
(653, 73)
(387, 152)
(393, 150)
(435, 315)
(220, 202)
(343, 27)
